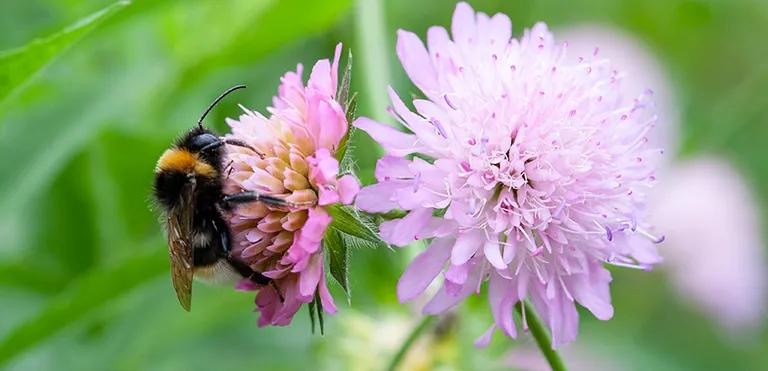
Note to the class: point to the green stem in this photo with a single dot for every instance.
(425, 322)
(374, 49)
(540, 334)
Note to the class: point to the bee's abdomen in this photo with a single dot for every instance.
(207, 249)
(218, 273)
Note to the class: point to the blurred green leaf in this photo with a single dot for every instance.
(71, 241)
(31, 275)
(93, 290)
(19, 65)
(370, 24)
(279, 24)
(338, 256)
(347, 220)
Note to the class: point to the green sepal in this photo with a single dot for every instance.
(349, 103)
(338, 258)
(311, 308)
(342, 95)
(348, 220)
(319, 309)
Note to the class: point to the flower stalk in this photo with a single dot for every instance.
(541, 335)
(425, 322)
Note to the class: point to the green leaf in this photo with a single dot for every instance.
(28, 275)
(347, 220)
(94, 289)
(17, 66)
(319, 308)
(397, 214)
(338, 257)
(311, 308)
(373, 46)
(279, 24)
(355, 243)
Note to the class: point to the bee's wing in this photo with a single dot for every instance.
(181, 252)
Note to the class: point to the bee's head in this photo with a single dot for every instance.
(204, 144)
(195, 159)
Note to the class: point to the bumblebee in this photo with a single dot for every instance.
(188, 187)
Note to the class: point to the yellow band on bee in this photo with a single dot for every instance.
(184, 161)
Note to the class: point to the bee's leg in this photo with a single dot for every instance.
(230, 168)
(254, 276)
(247, 272)
(249, 196)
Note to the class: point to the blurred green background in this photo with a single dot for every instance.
(84, 281)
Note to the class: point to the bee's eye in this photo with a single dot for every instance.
(203, 141)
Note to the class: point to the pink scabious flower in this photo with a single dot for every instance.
(293, 159)
(537, 164)
(716, 254)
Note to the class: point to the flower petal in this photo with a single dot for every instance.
(378, 198)
(492, 252)
(463, 23)
(466, 245)
(348, 187)
(423, 269)
(393, 167)
(401, 232)
(415, 60)
(590, 289)
(394, 141)
(310, 277)
(443, 301)
(501, 297)
(485, 338)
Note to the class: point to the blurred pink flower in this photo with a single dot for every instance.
(296, 145)
(529, 358)
(540, 167)
(715, 252)
(718, 263)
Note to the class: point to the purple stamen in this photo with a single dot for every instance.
(448, 101)
(439, 127)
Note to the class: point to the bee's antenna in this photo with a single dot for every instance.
(224, 94)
